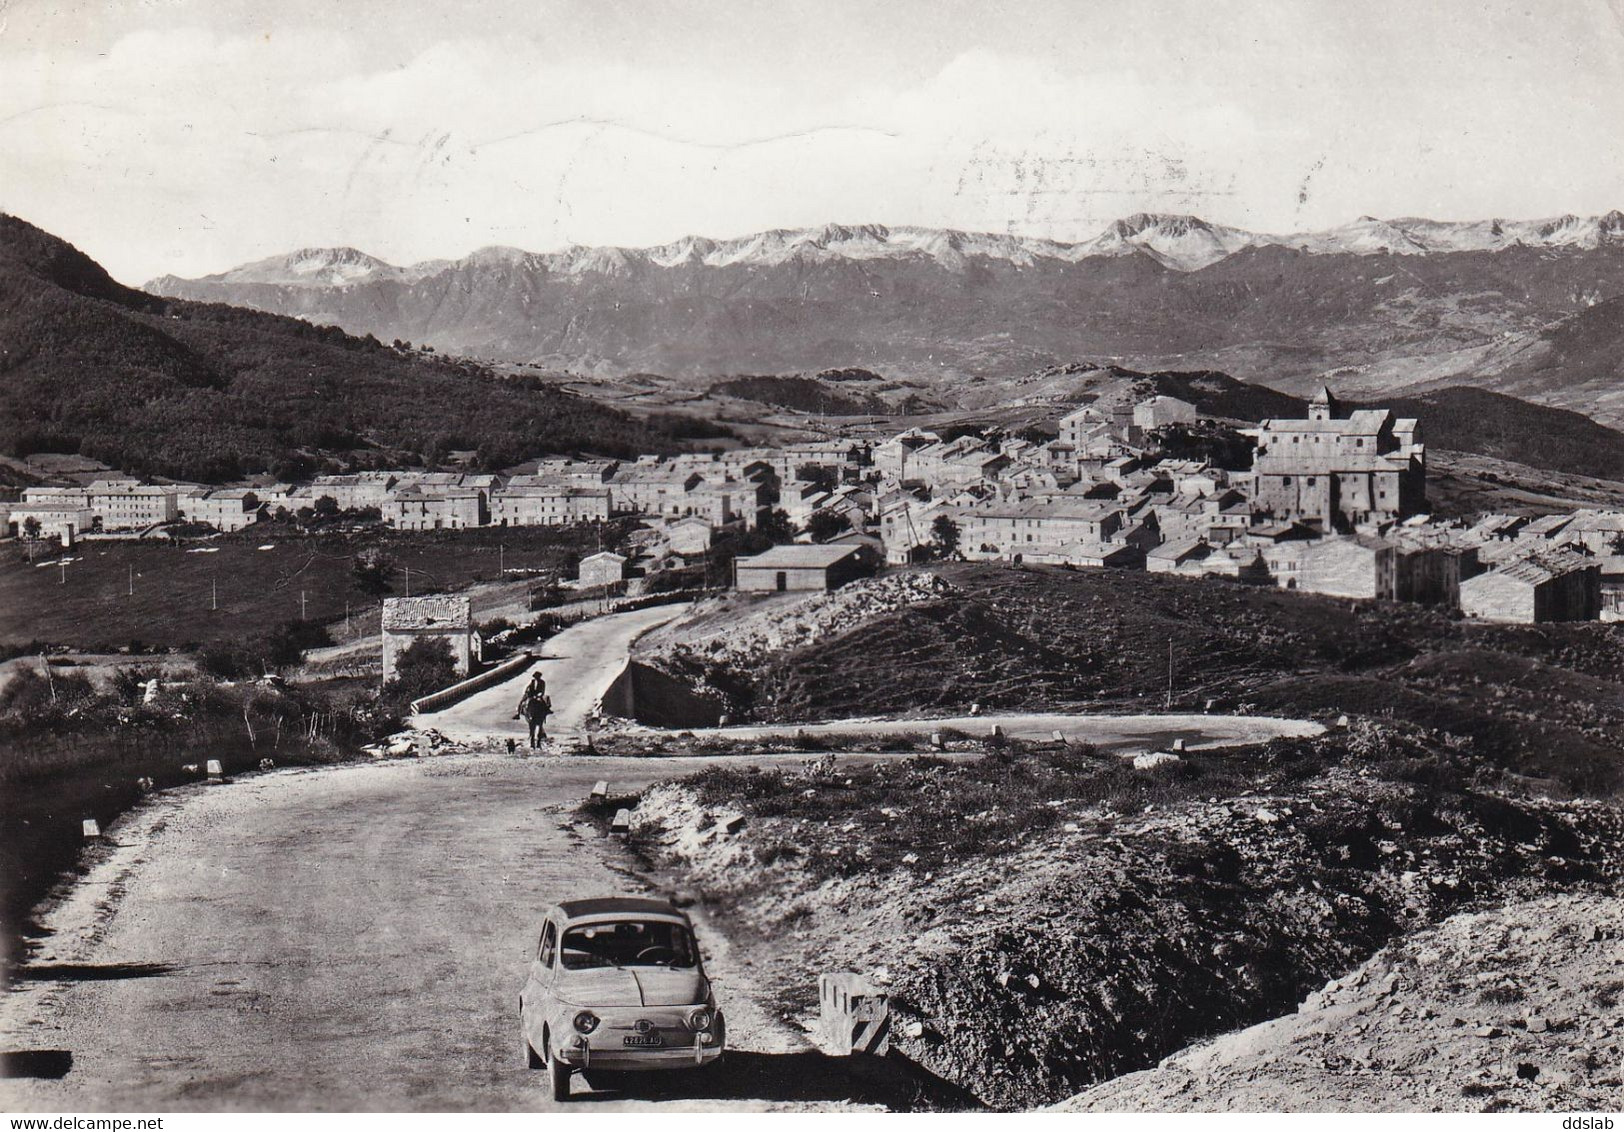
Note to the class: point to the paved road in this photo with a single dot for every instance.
(1120, 733)
(578, 664)
(352, 938)
(355, 938)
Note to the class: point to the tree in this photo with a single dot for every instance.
(31, 527)
(327, 507)
(372, 572)
(774, 526)
(824, 525)
(424, 666)
(944, 532)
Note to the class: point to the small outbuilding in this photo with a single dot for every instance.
(602, 569)
(447, 617)
(818, 567)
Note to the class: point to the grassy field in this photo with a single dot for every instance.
(106, 595)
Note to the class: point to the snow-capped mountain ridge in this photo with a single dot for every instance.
(1178, 242)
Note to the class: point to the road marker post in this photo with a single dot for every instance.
(854, 1015)
(91, 828)
(214, 770)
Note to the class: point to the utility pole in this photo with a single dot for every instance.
(346, 618)
(64, 565)
(1170, 674)
(408, 581)
(131, 590)
(214, 595)
(501, 561)
(301, 605)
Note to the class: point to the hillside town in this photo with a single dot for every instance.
(1333, 503)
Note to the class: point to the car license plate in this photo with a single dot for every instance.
(642, 1040)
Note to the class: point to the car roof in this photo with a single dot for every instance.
(619, 906)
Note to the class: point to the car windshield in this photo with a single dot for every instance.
(628, 943)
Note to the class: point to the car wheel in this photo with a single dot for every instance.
(558, 1072)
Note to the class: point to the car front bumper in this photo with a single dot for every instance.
(579, 1053)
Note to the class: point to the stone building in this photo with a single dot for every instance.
(447, 617)
(785, 569)
(602, 569)
(1339, 471)
(1559, 586)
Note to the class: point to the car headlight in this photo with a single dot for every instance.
(700, 1019)
(586, 1022)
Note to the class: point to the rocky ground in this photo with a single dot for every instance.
(1048, 919)
(1510, 1009)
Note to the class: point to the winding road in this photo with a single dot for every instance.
(355, 937)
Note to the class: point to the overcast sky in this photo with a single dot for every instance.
(188, 136)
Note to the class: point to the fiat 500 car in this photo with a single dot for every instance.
(616, 984)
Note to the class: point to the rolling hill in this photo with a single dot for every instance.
(208, 392)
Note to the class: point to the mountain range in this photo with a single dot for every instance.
(1374, 307)
(1183, 243)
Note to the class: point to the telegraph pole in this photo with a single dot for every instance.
(1170, 674)
(408, 581)
(131, 590)
(501, 561)
(214, 594)
(301, 605)
(64, 565)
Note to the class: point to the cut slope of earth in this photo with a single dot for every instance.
(1048, 916)
(1509, 1009)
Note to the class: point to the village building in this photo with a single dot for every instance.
(1162, 412)
(1339, 471)
(891, 459)
(1558, 586)
(606, 568)
(690, 537)
(1004, 530)
(62, 521)
(1086, 430)
(576, 473)
(356, 491)
(1344, 566)
(125, 505)
(553, 504)
(447, 617)
(651, 489)
(229, 509)
(416, 509)
(803, 568)
(1610, 583)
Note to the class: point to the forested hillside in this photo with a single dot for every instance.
(211, 392)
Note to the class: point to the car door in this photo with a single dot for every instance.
(538, 990)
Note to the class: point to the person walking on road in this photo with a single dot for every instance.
(535, 707)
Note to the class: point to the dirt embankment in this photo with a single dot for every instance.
(1510, 1009)
(1051, 919)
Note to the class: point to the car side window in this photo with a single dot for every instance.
(549, 942)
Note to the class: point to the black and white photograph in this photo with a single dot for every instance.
(626, 559)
